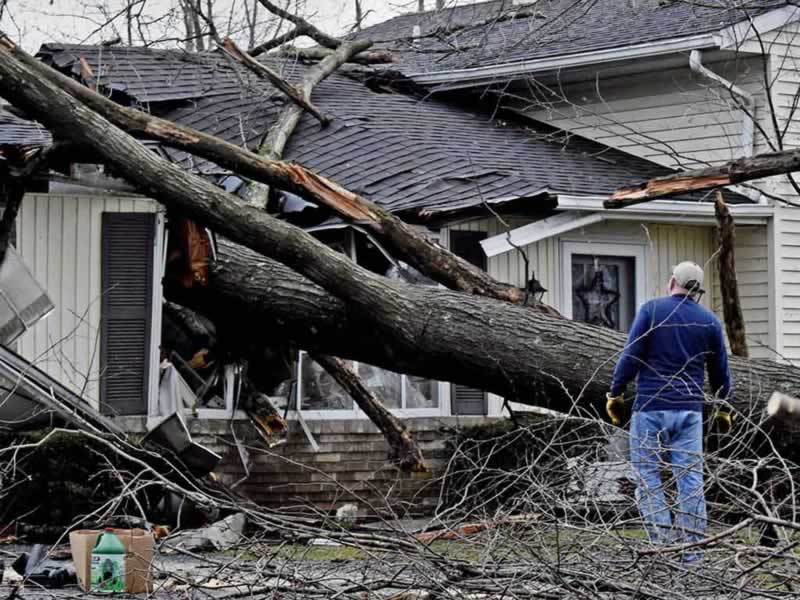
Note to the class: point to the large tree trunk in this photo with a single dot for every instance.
(445, 335)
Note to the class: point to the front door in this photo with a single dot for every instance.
(604, 290)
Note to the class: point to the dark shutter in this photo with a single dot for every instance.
(126, 312)
(466, 400)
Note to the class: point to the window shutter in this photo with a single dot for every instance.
(127, 272)
(466, 244)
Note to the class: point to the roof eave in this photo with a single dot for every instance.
(730, 37)
(502, 72)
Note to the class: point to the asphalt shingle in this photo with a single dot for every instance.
(404, 152)
(500, 31)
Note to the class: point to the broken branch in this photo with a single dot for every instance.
(404, 449)
(263, 71)
(736, 171)
(403, 241)
(729, 287)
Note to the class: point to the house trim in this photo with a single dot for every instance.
(658, 211)
(727, 38)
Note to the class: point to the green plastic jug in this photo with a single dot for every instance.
(108, 564)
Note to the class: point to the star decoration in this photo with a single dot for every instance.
(598, 301)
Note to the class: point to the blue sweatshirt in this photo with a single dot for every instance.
(672, 342)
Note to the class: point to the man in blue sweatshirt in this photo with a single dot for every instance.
(673, 341)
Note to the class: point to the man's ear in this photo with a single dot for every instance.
(671, 284)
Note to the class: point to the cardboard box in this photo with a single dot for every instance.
(138, 559)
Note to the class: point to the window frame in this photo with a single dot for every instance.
(356, 412)
(637, 251)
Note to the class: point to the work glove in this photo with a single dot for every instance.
(722, 419)
(615, 408)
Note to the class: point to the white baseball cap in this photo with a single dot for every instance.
(689, 276)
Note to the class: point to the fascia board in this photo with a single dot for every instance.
(504, 71)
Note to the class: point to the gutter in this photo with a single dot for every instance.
(495, 72)
(748, 109)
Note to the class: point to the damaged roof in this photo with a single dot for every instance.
(404, 151)
(15, 131)
(508, 31)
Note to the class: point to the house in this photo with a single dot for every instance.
(504, 157)
(679, 84)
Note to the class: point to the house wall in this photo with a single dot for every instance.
(59, 237)
(665, 245)
(672, 117)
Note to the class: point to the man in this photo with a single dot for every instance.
(672, 342)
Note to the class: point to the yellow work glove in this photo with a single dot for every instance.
(615, 408)
(723, 419)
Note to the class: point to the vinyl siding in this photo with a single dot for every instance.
(59, 237)
(787, 244)
(671, 117)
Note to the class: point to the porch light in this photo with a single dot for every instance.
(535, 289)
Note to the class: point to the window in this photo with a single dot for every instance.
(603, 283)
(320, 395)
(317, 393)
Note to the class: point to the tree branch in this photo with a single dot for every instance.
(736, 171)
(403, 241)
(287, 121)
(404, 449)
(263, 71)
(303, 26)
(729, 286)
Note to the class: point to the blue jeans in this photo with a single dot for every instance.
(674, 438)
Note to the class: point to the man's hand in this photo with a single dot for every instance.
(723, 419)
(615, 408)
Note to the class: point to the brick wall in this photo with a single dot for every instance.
(350, 466)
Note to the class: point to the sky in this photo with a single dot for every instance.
(32, 22)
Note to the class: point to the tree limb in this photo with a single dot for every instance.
(263, 71)
(279, 134)
(404, 449)
(729, 286)
(303, 26)
(736, 171)
(368, 57)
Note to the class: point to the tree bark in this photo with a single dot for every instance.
(729, 286)
(261, 70)
(367, 57)
(440, 334)
(287, 121)
(736, 171)
(404, 449)
(403, 241)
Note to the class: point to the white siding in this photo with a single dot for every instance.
(59, 238)
(672, 117)
(787, 271)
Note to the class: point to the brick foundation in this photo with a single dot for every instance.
(350, 466)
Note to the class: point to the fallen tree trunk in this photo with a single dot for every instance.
(421, 330)
(404, 449)
(501, 348)
(736, 171)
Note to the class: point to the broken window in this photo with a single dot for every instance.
(317, 391)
